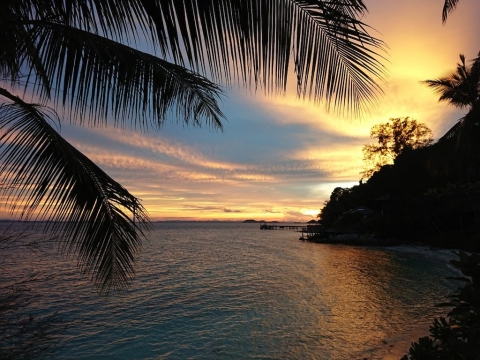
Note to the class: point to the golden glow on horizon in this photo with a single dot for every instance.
(310, 212)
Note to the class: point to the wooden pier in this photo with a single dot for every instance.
(318, 233)
(315, 233)
(274, 226)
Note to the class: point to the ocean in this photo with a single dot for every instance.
(219, 290)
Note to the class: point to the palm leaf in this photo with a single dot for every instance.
(254, 42)
(448, 7)
(50, 180)
(460, 88)
(344, 69)
(96, 77)
(117, 19)
(245, 41)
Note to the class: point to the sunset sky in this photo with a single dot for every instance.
(280, 157)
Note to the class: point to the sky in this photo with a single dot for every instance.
(280, 157)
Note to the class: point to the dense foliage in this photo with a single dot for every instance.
(458, 335)
(430, 194)
(393, 138)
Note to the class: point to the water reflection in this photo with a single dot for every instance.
(366, 301)
(213, 290)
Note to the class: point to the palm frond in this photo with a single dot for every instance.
(344, 70)
(97, 77)
(448, 90)
(243, 41)
(254, 41)
(460, 88)
(448, 7)
(50, 180)
(118, 19)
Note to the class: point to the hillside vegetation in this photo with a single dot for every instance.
(430, 194)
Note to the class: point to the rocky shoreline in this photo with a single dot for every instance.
(391, 244)
(354, 239)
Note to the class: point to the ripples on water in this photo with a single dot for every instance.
(230, 291)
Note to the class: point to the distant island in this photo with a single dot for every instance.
(275, 221)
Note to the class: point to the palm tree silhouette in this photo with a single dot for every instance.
(457, 149)
(460, 88)
(92, 60)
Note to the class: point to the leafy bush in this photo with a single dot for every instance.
(458, 335)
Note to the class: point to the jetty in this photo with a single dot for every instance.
(319, 232)
(276, 226)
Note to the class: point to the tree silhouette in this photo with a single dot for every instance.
(460, 88)
(85, 59)
(393, 138)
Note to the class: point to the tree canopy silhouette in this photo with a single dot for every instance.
(393, 138)
(84, 59)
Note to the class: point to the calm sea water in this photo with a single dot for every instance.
(232, 291)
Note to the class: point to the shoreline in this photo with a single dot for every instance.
(444, 255)
(368, 240)
(401, 345)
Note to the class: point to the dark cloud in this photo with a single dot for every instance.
(200, 208)
(296, 214)
(231, 211)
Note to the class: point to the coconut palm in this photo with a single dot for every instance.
(460, 88)
(141, 63)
